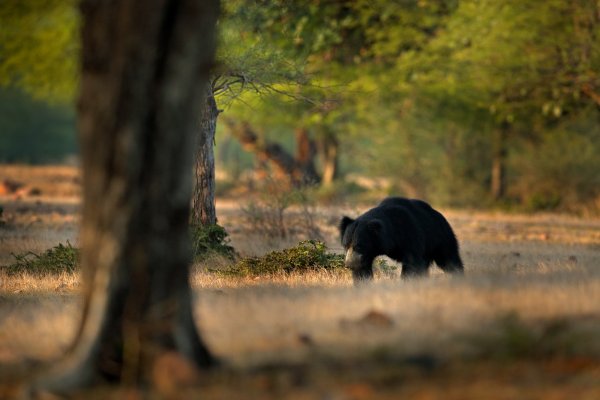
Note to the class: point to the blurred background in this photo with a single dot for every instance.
(472, 103)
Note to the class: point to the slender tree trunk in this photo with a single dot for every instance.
(203, 199)
(145, 65)
(330, 154)
(499, 153)
(306, 150)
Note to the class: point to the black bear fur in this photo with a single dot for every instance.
(406, 230)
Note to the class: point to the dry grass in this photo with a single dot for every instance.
(522, 323)
(538, 281)
(36, 225)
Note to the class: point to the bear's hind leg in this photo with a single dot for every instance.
(450, 264)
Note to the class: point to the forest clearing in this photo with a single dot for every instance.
(524, 321)
(175, 176)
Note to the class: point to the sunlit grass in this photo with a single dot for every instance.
(248, 320)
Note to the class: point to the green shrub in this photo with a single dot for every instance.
(211, 240)
(539, 201)
(306, 256)
(386, 269)
(56, 260)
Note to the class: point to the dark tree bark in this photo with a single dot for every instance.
(306, 151)
(145, 64)
(203, 199)
(330, 156)
(499, 153)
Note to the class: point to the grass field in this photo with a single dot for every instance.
(523, 323)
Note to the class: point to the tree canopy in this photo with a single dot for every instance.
(39, 47)
(434, 95)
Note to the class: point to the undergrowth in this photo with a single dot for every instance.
(282, 212)
(306, 256)
(211, 240)
(56, 260)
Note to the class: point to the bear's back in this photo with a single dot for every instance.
(414, 205)
(436, 228)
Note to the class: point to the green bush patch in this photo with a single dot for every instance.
(56, 260)
(308, 255)
(210, 240)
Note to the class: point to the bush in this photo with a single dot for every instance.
(211, 240)
(58, 259)
(306, 256)
(270, 216)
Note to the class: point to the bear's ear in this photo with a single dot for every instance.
(375, 226)
(344, 223)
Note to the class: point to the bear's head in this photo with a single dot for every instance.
(361, 239)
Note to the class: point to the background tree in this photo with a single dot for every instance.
(242, 65)
(348, 47)
(141, 86)
(520, 67)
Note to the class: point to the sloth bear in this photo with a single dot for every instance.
(408, 231)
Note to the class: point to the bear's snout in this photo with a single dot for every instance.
(353, 259)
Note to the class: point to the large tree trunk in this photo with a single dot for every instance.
(145, 65)
(203, 199)
(499, 153)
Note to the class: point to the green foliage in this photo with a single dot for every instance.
(247, 62)
(412, 90)
(39, 47)
(387, 269)
(56, 260)
(564, 172)
(211, 240)
(517, 60)
(491, 63)
(306, 256)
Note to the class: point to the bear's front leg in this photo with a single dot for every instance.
(362, 274)
(414, 268)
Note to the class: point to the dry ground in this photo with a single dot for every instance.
(523, 323)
